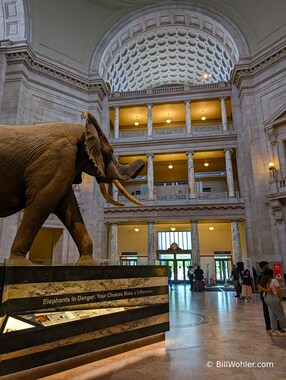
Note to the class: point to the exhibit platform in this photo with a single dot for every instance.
(51, 314)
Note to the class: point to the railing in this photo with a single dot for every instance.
(182, 197)
(170, 89)
(202, 128)
(282, 183)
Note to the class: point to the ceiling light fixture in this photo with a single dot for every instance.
(168, 120)
(173, 229)
(207, 75)
(203, 117)
(206, 163)
(170, 166)
(211, 228)
(136, 122)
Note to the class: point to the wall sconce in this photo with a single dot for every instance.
(272, 169)
(170, 166)
(168, 120)
(136, 122)
(136, 229)
(173, 229)
(211, 228)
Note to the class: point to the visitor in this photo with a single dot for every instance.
(170, 278)
(273, 299)
(191, 277)
(235, 280)
(247, 282)
(199, 277)
(264, 266)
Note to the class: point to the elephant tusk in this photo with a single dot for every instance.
(125, 192)
(107, 196)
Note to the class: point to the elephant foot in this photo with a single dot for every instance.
(86, 261)
(18, 261)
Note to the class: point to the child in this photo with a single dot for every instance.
(246, 285)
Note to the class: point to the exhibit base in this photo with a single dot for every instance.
(64, 315)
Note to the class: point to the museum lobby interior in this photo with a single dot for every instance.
(197, 91)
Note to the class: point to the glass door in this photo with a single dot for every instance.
(222, 270)
(181, 270)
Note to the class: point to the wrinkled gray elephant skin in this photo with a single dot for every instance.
(38, 166)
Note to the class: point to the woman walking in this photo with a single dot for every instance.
(273, 299)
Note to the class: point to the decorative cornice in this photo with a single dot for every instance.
(251, 69)
(234, 211)
(23, 54)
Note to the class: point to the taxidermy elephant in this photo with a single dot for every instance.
(39, 164)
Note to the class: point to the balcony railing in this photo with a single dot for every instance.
(167, 131)
(200, 197)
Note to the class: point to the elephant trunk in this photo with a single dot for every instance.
(115, 170)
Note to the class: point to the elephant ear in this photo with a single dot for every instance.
(97, 146)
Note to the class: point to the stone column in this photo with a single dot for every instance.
(151, 244)
(188, 117)
(114, 189)
(150, 177)
(191, 176)
(229, 173)
(223, 114)
(116, 122)
(236, 247)
(150, 123)
(195, 243)
(115, 193)
(113, 244)
(3, 70)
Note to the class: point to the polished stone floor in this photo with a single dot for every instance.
(213, 335)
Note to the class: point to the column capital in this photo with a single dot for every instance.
(223, 98)
(149, 104)
(150, 155)
(116, 107)
(187, 101)
(190, 152)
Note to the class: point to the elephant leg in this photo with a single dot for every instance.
(69, 213)
(31, 223)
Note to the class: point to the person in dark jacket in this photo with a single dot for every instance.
(235, 279)
(199, 277)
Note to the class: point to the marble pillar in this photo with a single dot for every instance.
(116, 122)
(115, 193)
(223, 114)
(236, 247)
(188, 117)
(195, 243)
(150, 122)
(113, 245)
(151, 244)
(229, 173)
(191, 176)
(150, 177)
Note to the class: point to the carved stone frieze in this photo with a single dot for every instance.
(277, 209)
(34, 64)
(234, 211)
(249, 71)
